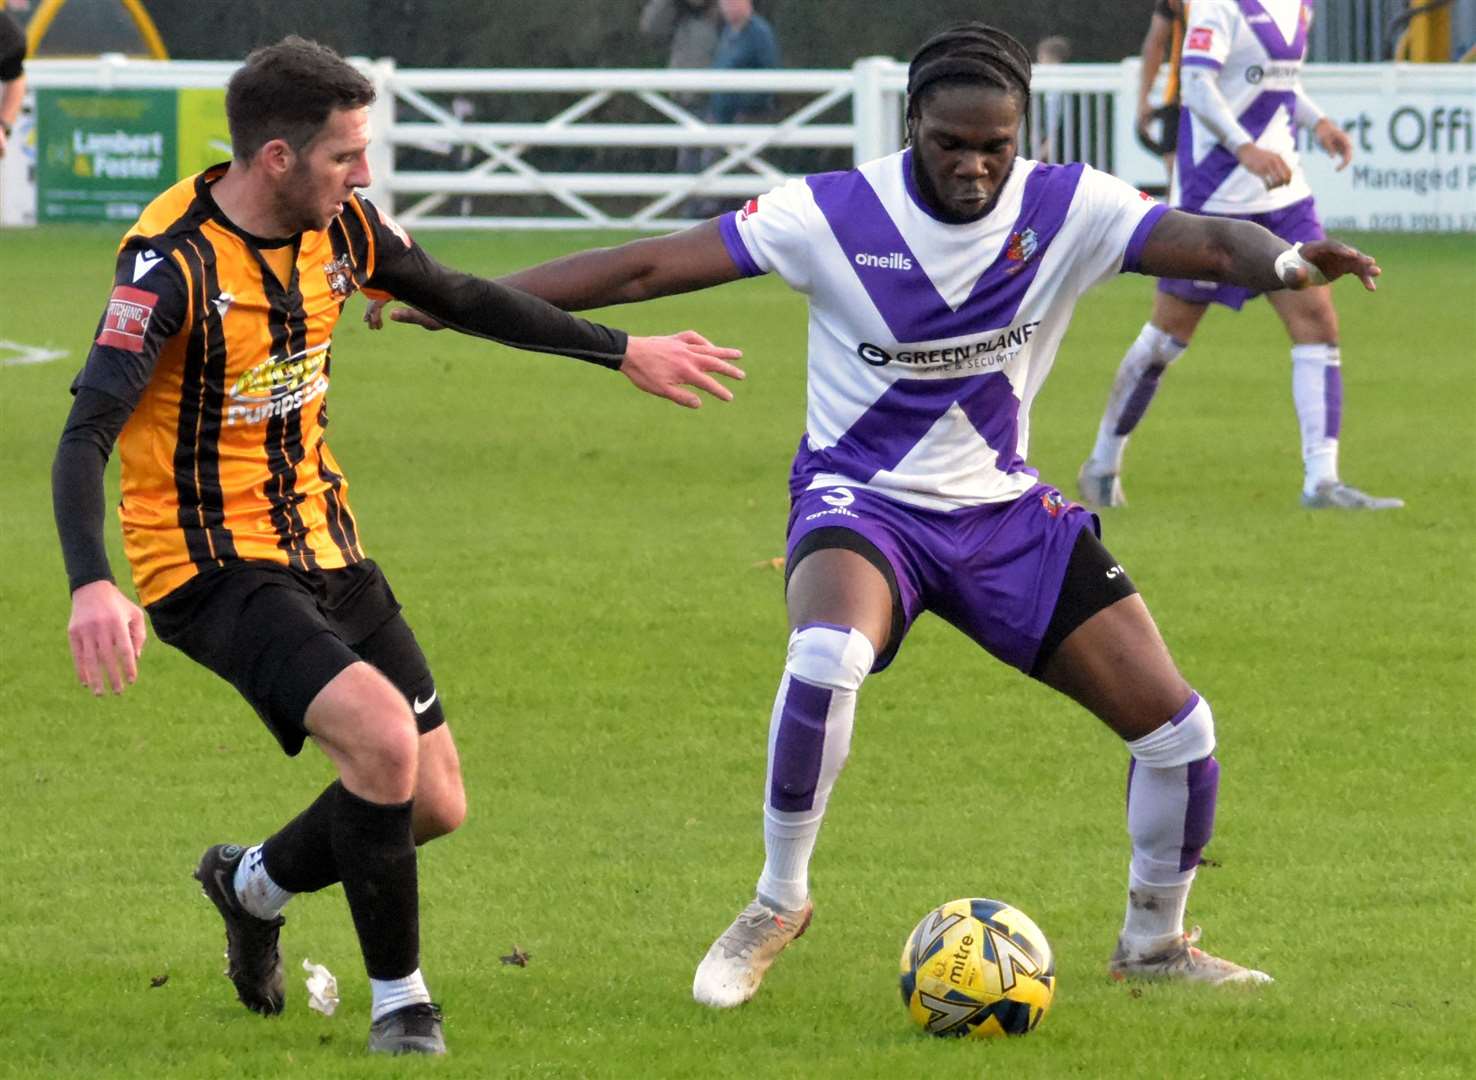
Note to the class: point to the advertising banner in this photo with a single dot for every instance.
(204, 135)
(1414, 147)
(1414, 164)
(102, 156)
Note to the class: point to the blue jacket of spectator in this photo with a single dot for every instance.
(753, 46)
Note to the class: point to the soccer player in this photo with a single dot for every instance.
(941, 280)
(211, 369)
(1165, 37)
(1242, 96)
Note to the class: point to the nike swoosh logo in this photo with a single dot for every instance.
(227, 889)
(420, 706)
(143, 262)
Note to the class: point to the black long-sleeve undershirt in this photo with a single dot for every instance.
(111, 383)
(77, 499)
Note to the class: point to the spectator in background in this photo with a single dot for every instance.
(747, 42)
(12, 75)
(1050, 133)
(692, 27)
(1165, 38)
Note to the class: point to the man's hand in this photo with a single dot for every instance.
(663, 365)
(1266, 164)
(374, 316)
(1335, 260)
(2, 142)
(1337, 142)
(107, 636)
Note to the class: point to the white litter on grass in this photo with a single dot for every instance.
(322, 987)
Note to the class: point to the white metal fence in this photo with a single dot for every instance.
(549, 148)
(627, 148)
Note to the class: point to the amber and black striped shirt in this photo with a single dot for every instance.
(216, 346)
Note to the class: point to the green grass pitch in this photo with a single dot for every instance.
(586, 568)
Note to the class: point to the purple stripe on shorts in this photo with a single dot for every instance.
(1183, 714)
(906, 299)
(1264, 26)
(1200, 180)
(737, 249)
(799, 747)
(1332, 400)
(1201, 61)
(1203, 778)
(1139, 239)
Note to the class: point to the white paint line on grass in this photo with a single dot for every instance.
(27, 354)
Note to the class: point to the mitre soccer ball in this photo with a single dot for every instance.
(977, 968)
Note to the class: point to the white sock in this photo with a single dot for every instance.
(789, 841)
(1132, 390)
(258, 893)
(809, 739)
(1155, 913)
(392, 994)
(1317, 391)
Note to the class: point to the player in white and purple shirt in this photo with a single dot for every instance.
(941, 280)
(1242, 97)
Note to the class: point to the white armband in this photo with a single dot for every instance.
(1290, 261)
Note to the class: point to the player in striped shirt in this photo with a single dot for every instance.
(1242, 99)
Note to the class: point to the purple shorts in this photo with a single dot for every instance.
(1296, 224)
(994, 571)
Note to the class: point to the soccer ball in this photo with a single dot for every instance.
(977, 968)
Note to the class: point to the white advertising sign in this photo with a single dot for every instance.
(1414, 147)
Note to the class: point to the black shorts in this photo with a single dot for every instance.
(1094, 580)
(279, 635)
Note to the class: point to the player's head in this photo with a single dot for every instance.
(968, 90)
(300, 113)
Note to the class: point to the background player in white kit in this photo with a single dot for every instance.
(1242, 93)
(941, 280)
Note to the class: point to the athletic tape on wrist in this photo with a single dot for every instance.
(1291, 260)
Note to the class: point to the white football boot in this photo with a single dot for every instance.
(1179, 959)
(1099, 487)
(731, 971)
(1336, 495)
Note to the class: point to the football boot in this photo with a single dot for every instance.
(731, 971)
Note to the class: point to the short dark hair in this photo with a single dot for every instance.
(968, 53)
(287, 91)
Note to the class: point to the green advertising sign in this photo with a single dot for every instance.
(204, 136)
(103, 156)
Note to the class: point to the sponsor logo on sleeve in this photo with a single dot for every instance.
(749, 209)
(127, 318)
(1201, 39)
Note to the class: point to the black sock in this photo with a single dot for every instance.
(299, 856)
(375, 847)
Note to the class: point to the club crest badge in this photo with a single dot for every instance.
(340, 277)
(1021, 249)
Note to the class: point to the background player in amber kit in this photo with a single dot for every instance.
(210, 370)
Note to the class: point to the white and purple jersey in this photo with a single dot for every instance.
(928, 340)
(1256, 47)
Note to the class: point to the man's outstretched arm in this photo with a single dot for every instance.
(638, 270)
(1203, 248)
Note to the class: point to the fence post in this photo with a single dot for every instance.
(877, 119)
(382, 148)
